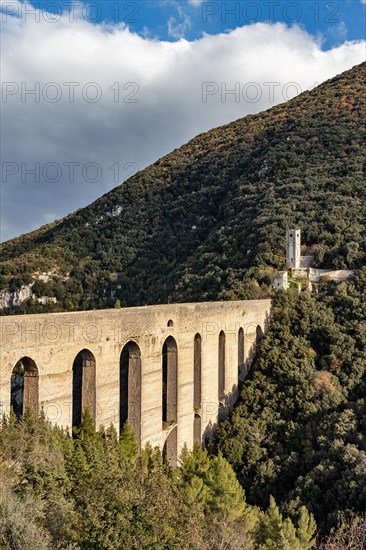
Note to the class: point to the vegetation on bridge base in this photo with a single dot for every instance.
(95, 491)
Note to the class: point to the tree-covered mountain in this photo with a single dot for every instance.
(208, 220)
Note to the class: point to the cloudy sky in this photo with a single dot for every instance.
(94, 91)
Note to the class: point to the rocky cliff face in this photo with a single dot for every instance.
(18, 297)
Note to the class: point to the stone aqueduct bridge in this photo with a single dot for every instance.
(171, 370)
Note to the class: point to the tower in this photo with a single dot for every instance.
(293, 244)
(281, 281)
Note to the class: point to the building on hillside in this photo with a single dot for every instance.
(281, 281)
(302, 274)
(293, 248)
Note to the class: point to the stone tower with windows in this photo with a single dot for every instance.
(293, 248)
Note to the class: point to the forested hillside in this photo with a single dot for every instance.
(298, 431)
(208, 221)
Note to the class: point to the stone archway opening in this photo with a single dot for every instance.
(241, 365)
(197, 387)
(24, 387)
(170, 397)
(221, 372)
(170, 372)
(221, 392)
(83, 386)
(130, 388)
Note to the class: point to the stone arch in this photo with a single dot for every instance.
(170, 323)
(241, 355)
(130, 388)
(24, 387)
(197, 387)
(83, 386)
(170, 397)
(221, 364)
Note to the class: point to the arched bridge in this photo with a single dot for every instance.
(172, 371)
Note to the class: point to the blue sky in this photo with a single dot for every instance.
(333, 20)
(144, 83)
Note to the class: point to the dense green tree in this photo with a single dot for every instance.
(19, 525)
(274, 533)
(97, 492)
(298, 430)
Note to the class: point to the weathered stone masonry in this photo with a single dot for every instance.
(171, 370)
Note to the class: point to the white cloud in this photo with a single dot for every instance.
(165, 77)
(338, 31)
(177, 28)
